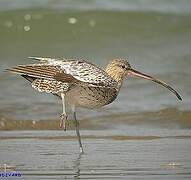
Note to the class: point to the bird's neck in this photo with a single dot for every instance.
(115, 75)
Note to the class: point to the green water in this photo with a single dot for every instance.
(155, 43)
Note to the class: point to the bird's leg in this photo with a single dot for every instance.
(63, 116)
(78, 133)
(63, 121)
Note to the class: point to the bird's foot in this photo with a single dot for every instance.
(81, 150)
(63, 121)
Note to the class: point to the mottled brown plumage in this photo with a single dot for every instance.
(80, 83)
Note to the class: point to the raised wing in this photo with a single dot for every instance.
(67, 71)
(43, 71)
(82, 71)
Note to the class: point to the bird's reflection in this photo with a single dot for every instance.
(77, 166)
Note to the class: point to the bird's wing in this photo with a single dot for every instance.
(43, 77)
(42, 71)
(81, 70)
(67, 71)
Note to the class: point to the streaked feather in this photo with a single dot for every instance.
(78, 72)
(50, 86)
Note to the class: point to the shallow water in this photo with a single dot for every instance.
(144, 134)
(116, 147)
(49, 155)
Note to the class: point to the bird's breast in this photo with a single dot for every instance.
(91, 97)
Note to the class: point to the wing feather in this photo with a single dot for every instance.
(42, 71)
(76, 71)
(36, 70)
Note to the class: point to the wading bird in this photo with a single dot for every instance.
(80, 83)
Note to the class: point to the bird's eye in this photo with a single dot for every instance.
(123, 66)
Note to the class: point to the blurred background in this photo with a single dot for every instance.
(154, 35)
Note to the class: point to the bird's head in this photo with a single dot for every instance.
(120, 69)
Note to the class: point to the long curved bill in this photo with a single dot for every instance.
(133, 72)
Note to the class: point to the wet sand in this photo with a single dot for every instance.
(165, 118)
